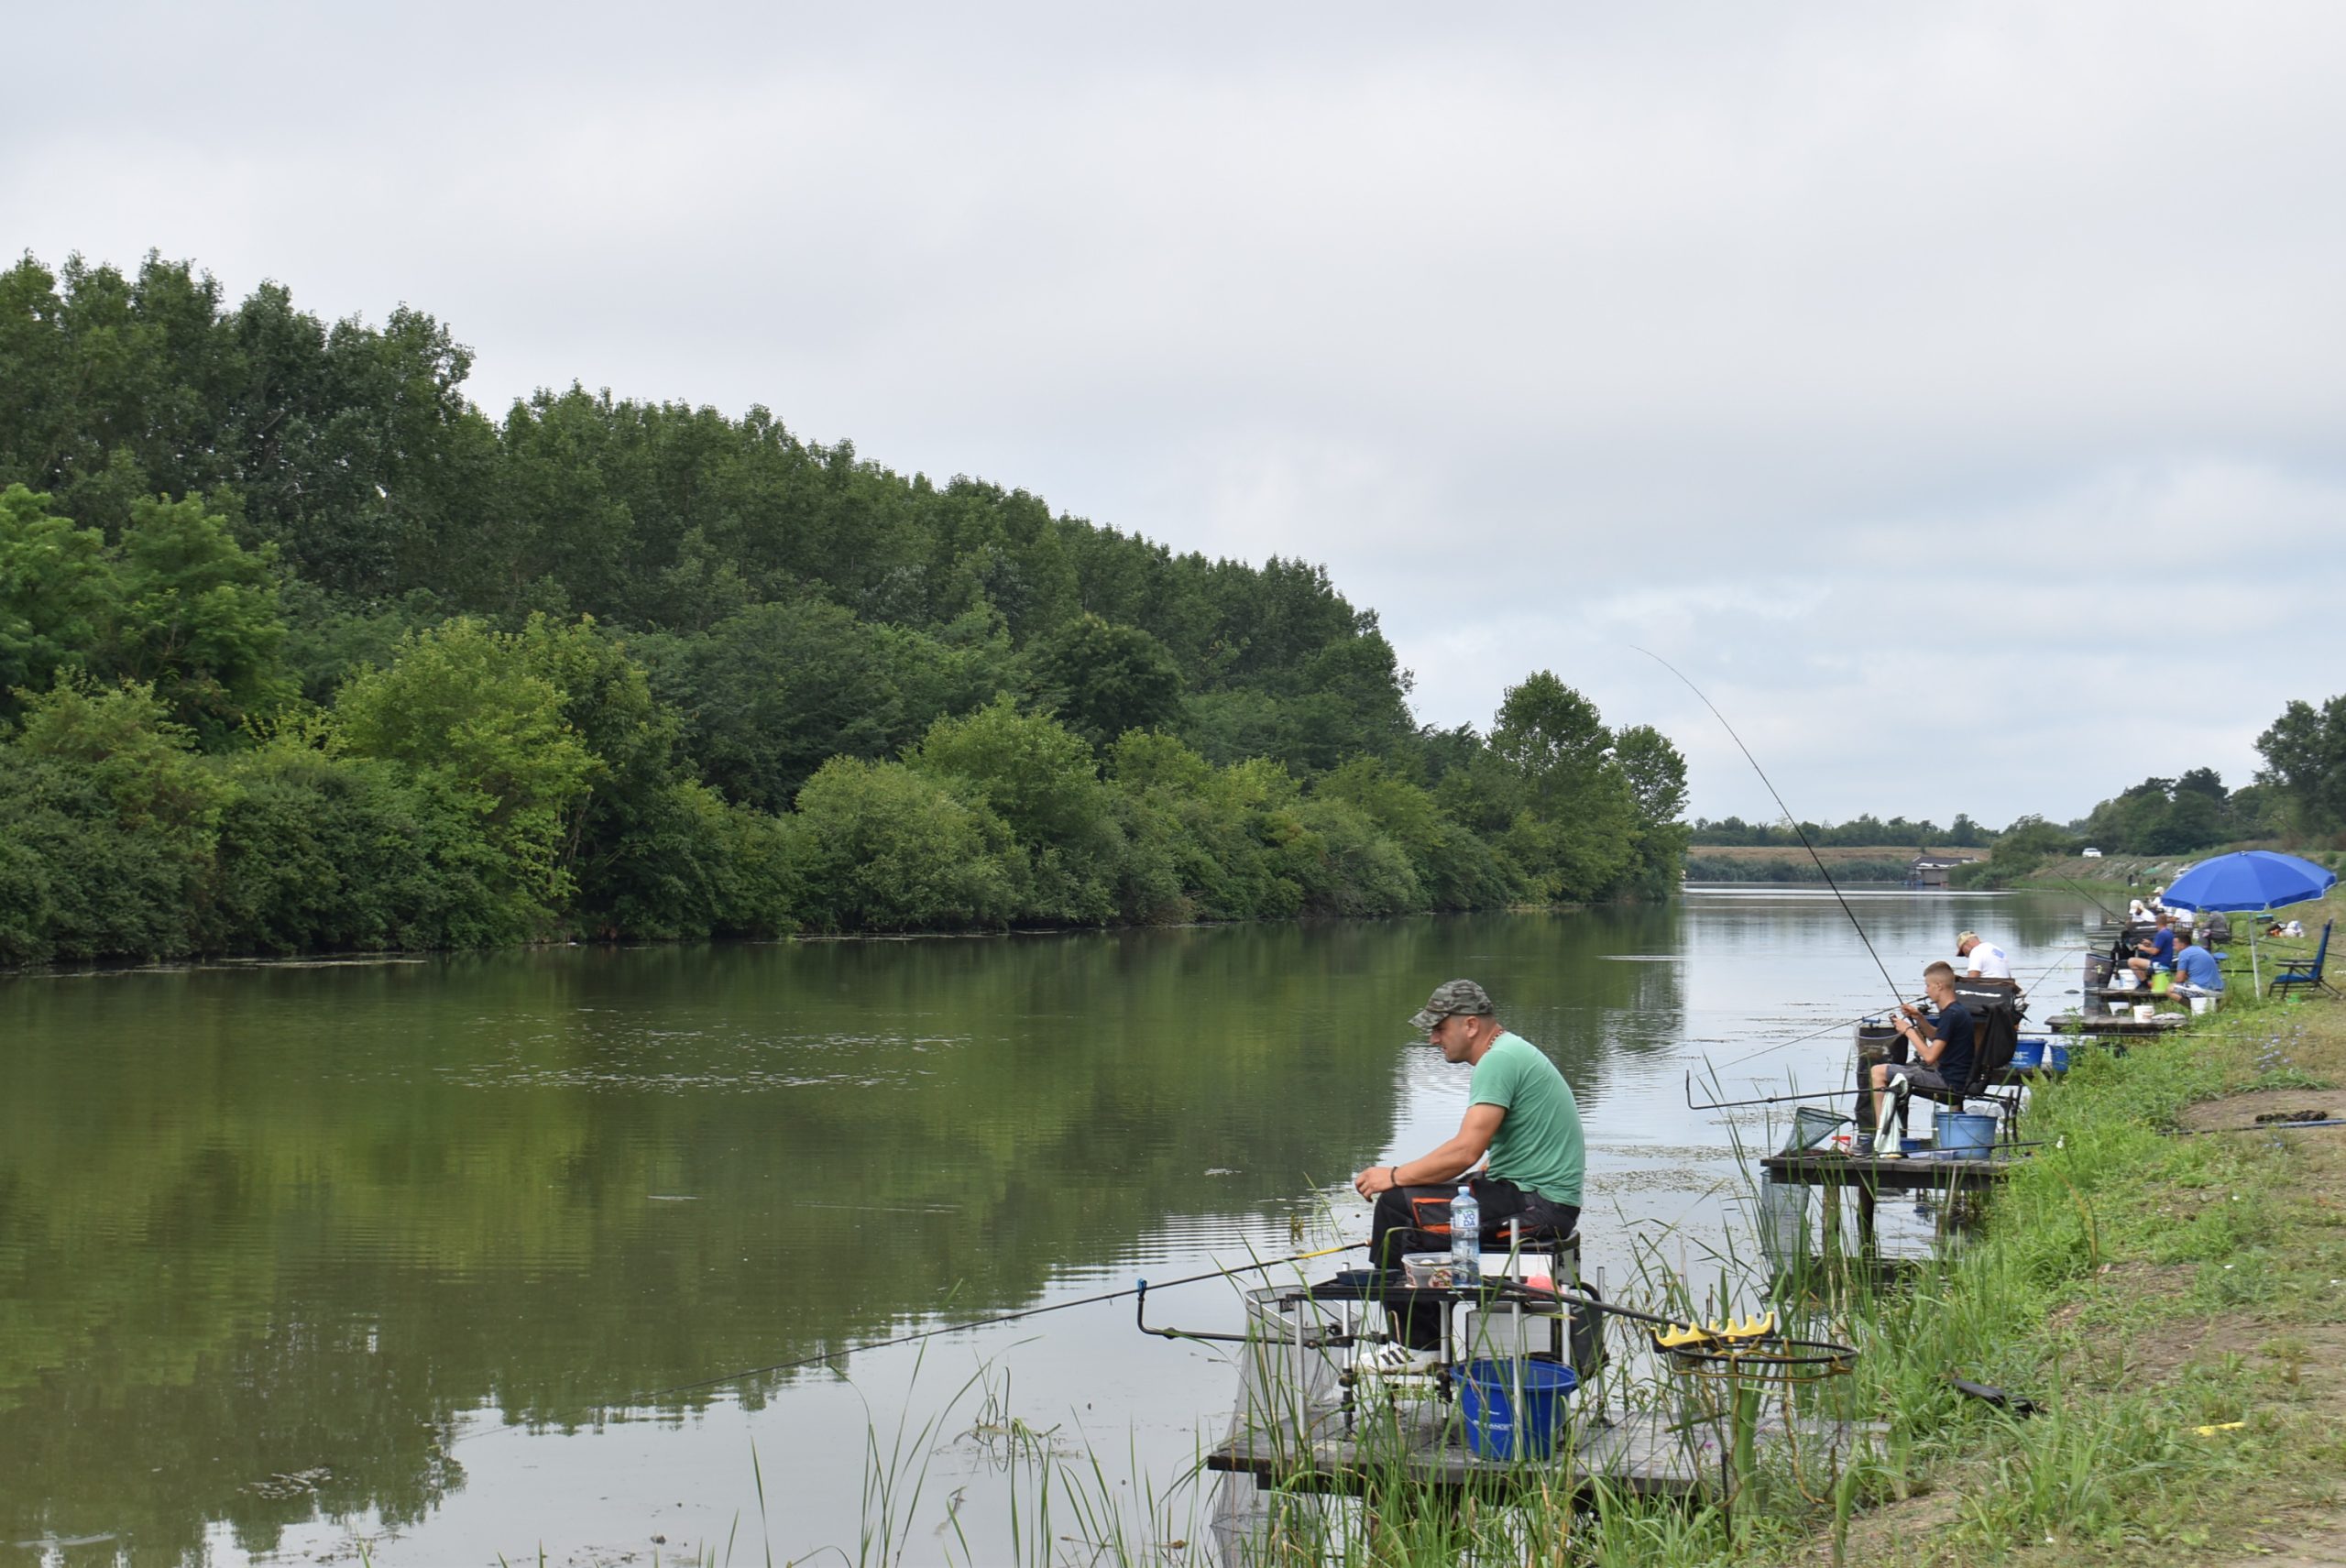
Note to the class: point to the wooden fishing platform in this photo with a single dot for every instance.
(1923, 1172)
(2086, 1024)
(2135, 993)
(1870, 1176)
(1421, 1444)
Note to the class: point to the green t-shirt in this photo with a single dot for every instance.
(1539, 1145)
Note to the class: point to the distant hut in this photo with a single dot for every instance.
(1930, 870)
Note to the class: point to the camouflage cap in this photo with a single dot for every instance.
(1450, 999)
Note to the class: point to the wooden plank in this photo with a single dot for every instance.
(1642, 1452)
(1638, 1453)
(1916, 1173)
(2078, 1024)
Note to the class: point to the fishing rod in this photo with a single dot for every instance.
(1508, 1291)
(1798, 831)
(2063, 957)
(2088, 897)
(1141, 1288)
(1764, 1100)
(2260, 1127)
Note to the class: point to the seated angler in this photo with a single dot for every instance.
(1987, 960)
(2155, 953)
(1519, 1110)
(1941, 1059)
(2196, 971)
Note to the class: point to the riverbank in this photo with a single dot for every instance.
(2136, 875)
(2163, 1283)
(1777, 864)
(2164, 1279)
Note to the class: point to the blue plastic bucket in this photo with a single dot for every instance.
(2028, 1055)
(1965, 1136)
(1486, 1395)
(2056, 1056)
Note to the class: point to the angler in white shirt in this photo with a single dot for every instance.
(1989, 962)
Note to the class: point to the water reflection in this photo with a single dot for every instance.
(270, 1236)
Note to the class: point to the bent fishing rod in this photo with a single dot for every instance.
(1817, 1034)
(1798, 831)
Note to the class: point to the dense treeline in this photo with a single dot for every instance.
(1863, 831)
(2299, 795)
(2179, 816)
(1721, 868)
(301, 649)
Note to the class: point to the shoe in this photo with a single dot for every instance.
(1890, 1151)
(1386, 1360)
(1862, 1148)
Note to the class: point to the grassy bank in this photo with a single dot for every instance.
(2169, 1292)
(2136, 875)
(2140, 1286)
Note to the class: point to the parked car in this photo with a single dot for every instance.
(2090, 854)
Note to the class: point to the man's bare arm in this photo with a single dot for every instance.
(1447, 1163)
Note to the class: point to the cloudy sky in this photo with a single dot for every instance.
(1954, 393)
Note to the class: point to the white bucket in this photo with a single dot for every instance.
(2118, 1009)
(2126, 980)
(2203, 1005)
(2144, 1013)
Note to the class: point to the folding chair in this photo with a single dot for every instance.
(2293, 979)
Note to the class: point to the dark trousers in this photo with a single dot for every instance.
(1416, 1219)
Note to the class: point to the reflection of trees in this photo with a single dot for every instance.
(260, 1222)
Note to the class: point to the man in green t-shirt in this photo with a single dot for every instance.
(1520, 1113)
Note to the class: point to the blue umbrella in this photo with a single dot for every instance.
(2249, 879)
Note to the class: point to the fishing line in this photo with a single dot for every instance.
(829, 1355)
(2063, 955)
(2088, 897)
(1896, 1000)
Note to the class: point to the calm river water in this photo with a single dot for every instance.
(409, 1253)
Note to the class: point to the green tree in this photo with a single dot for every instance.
(1102, 679)
(111, 821)
(198, 619)
(1038, 778)
(58, 594)
(321, 851)
(1452, 867)
(483, 732)
(2305, 764)
(1573, 832)
(772, 692)
(1656, 774)
(882, 846)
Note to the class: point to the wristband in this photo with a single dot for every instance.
(1396, 1174)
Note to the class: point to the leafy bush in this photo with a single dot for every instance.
(882, 846)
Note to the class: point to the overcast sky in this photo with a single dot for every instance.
(1955, 393)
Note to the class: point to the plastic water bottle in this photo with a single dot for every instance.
(1465, 1238)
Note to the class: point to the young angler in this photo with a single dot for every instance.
(1941, 1059)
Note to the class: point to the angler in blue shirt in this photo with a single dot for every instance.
(2196, 973)
(2155, 953)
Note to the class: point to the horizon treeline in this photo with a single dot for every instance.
(1862, 832)
(300, 650)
